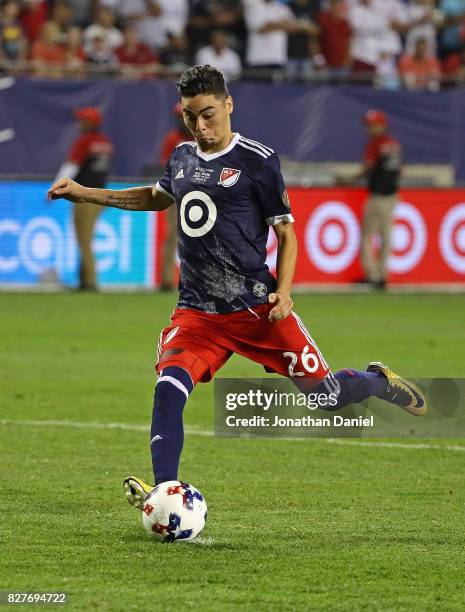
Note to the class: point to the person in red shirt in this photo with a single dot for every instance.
(89, 163)
(34, 15)
(335, 36)
(453, 68)
(382, 170)
(136, 59)
(172, 139)
(48, 55)
(420, 70)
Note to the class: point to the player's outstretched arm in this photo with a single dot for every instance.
(135, 198)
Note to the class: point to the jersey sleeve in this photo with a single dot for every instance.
(272, 193)
(371, 156)
(164, 183)
(79, 151)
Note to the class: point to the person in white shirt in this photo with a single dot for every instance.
(103, 28)
(219, 55)
(420, 18)
(368, 26)
(268, 23)
(154, 19)
(395, 15)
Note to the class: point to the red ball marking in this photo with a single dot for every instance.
(176, 490)
(159, 528)
(148, 509)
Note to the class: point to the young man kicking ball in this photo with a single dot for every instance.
(228, 190)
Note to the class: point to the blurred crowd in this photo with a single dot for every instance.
(417, 44)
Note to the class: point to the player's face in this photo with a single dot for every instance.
(207, 117)
(376, 129)
(86, 126)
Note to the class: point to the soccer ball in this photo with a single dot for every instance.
(174, 511)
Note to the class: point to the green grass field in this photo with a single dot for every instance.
(293, 525)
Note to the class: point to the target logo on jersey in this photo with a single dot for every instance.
(229, 177)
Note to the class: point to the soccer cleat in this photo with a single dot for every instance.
(400, 391)
(136, 491)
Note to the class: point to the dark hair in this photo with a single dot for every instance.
(202, 80)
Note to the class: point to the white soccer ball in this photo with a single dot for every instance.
(174, 511)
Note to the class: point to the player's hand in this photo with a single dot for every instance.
(69, 190)
(282, 306)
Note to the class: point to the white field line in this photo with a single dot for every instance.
(89, 425)
(448, 447)
(208, 433)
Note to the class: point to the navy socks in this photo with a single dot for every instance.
(350, 387)
(356, 386)
(173, 387)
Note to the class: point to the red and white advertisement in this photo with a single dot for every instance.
(427, 241)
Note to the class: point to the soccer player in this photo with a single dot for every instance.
(228, 190)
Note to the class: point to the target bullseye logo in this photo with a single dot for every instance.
(198, 214)
(452, 238)
(408, 239)
(332, 237)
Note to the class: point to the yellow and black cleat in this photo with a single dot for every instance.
(136, 491)
(400, 391)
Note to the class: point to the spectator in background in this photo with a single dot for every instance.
(420, 70)
(89, 163)
(395, 26)
(301, 43)
(175, 137)
(34, 15)
(335, 35)
(154, 19)
(382, 169)
(48, 55)
(268, 24)
(368, 25)
(454, 16)
(84, 11)
(13, 43)
(103, 27)
(219, 55)
(453, 67)
(135, 58)
(387, 75)
(62, 18)
(175, 53)
(100, 56)
(75, 56)
(208, 15)
(421, 24)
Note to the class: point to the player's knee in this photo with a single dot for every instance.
(188, 361)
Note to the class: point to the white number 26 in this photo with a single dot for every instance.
(309, 361)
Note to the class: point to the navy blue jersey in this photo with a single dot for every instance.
(226, 202)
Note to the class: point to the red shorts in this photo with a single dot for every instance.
(201, 343)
